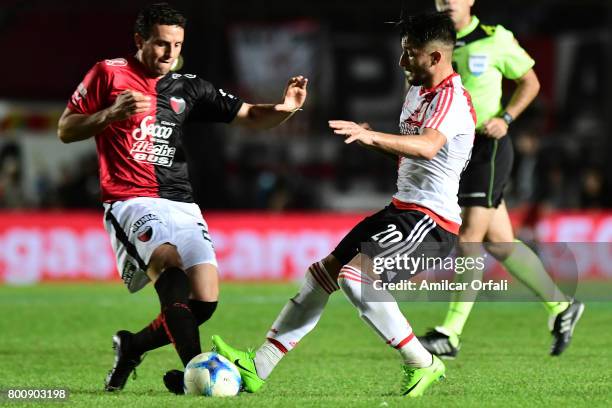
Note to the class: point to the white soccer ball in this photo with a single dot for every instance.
(212, 375)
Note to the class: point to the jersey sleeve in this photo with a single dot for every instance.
(92, 93)
(512, 61)
(214, 105)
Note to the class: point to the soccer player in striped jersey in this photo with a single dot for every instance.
(437, 125)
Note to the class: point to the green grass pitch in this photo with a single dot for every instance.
(60, 336)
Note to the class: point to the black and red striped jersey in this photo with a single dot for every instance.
(143, 156)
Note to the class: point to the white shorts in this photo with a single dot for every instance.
(139, 225)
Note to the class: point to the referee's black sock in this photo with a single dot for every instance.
(154, 335)
(177, 319)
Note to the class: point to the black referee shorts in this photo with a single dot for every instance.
(484, 179)
(392, 232)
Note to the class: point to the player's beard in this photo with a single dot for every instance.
(415, 79)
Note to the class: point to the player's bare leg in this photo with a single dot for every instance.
(204, 280)
(522, 263)
(476, 221)
(443, 340)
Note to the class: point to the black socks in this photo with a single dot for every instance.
(179, 319)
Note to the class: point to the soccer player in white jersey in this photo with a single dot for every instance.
(437, 126)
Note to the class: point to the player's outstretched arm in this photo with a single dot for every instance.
(391, 156)
(73, 127)
(424, 146)
(527, 88)
(266, 116)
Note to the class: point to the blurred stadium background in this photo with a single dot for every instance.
(276, 200)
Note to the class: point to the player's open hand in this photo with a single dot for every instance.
(295, 93)
(353, 132)
(496, 128)
(129, 103)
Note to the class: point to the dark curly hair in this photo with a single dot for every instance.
(424, 28)
(158, 13)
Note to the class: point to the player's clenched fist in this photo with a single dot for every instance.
(496, 128)
(129, 103)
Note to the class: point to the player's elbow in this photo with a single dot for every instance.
(536, 86)
(62, 133)
(66, 134)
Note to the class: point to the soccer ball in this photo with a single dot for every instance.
(212, 375)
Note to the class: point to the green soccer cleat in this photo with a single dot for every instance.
(243, 360)
(417, 380)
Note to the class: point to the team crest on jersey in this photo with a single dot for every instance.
(145, 235)
(177, 104)
(478, 64)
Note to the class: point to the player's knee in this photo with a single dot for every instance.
(469, 248)
(353, 292)
(500, 250)
(202, 310)
(346, 287)
(500, 236)
(349, 281)
(204, 282)
(173, 287)
(472, 234)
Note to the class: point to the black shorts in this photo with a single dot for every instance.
(392, 232)
(483, 181)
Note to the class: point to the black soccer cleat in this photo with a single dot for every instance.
(126, 362)
(563, 327)
(173, 380)
(440, 343)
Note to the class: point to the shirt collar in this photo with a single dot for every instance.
(442, 84)
(471, 27)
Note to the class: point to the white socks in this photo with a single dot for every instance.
(299, 316)
(302, 313)
(380, 310)
(266, 358)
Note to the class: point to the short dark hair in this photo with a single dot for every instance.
(424, 28)
(158, 13)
